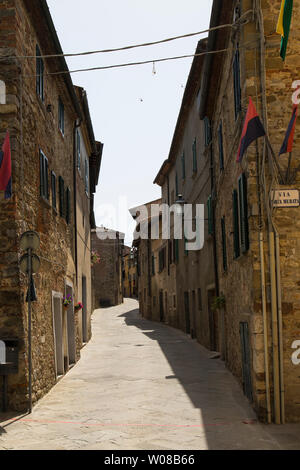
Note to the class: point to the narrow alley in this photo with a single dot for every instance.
(124, 391)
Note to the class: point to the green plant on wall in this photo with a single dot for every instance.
(218, 303)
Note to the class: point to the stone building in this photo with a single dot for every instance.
(41, 112)
(129, 273)
(257, 244)
(248, 271)
(107, 275)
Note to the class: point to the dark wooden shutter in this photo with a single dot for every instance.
(221, 151)
(68, 206)
(194, 150)
(61, 186)
(153, 265)
(224, 248)
(39, 74)
(236, 230)
(243, 205)
(53, 189)
(42, 186)
(46, 177)
(210, 216)
(176, 244)
(207, 130)
(237, 83)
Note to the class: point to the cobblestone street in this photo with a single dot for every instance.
(143, 385)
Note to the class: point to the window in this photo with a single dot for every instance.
(210, 216)
(153, 265)
(176, 250)
(170, 249)
(207, 131)
(61, 116)
(224, 249)
(221, 151)
(68, 205)
(86, 172)
(243, 213)
(162, 259)
(183, 166)
(194, 151)
(236, 230)
(237, 83)
(39, 74)
(61, 190)
(78, 148)
(53, 189)
(199, 299)
(44, 185)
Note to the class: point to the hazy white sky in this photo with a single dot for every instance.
(134, 112)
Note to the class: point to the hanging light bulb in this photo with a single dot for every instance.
(153, 70)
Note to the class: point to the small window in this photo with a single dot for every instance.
(199, 299)
(61, 189)
(243, 213)
(224, 248)
(86, 165)
(53, 189)
(44, 183)
(221, 151)
(237, 83)
(61, 116)
(183, 166)
(68, 205)
(236, 229)
(39, 74)
(194, 151)
(207, 131)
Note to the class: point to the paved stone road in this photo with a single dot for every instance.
(143, 385)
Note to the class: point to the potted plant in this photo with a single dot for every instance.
(218, 303)
(67, 301)
(78, 307)
(95, 258)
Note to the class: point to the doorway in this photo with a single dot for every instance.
(71, 328)
(58, 334)
(187, 313)
(161, 306)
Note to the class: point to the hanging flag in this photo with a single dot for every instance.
(287, 145)
(31, 292)
(5, 168)
(284, 25)
(252, 130)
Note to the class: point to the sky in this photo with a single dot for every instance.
(133, 110)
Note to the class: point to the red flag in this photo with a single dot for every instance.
(252, 130)
(5, 167)
(287, 145)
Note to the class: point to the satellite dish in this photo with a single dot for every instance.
(30, 240)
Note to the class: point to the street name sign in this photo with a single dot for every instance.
(286, 198)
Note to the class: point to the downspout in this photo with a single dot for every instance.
(76, 126)
(275, 280)
(280, 332)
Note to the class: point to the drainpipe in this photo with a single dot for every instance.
(76, 126)
(275, 280)
(280, 333)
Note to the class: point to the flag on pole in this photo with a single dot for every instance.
(252, 130)
(284, 25)
(287, 145)
(5, 168)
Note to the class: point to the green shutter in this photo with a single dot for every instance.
(183, 166)
(53, 189)
(224, 250)
(61, 189)
(244, 228)
(42, 186)
(236, 230)
(194, 149)
(210, 216)
(207, 130)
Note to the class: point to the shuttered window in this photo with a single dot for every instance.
(39, 74)
(194, 151)
(61, 116)
(176, 250)
(236, 229)
(162, 259)
(44, 182)
(224, 248)
(243, 212)
(61, 190)
(210, 216)
(221, 151)
(237, 83)
(86, 172)
(53, 189)
(153, 265)
(207, 131)
(183, 166)
(68, 205)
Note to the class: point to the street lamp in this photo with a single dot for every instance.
(179, 209)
